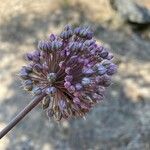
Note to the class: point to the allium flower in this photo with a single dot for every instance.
(71, 69)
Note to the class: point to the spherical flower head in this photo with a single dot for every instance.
(72, 70)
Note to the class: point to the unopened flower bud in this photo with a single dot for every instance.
(37, 67)
(76, 100)
(44, 45)
(37, 91)
(78, 86)
(68, 78)
(29, 56)
(71, 89)
(24, 74)
(62, 64)
(104, 54)
(28, 85)
(66, 34)
(101, 70)
(67, 84)
(87, 71)
(56, 45)
(46, 102)
(62, 104)
(51, 90)
(50, 112)
(112, 69)
(52, 37)
(86, 81)
(51, 77)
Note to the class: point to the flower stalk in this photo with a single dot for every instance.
(21, 115)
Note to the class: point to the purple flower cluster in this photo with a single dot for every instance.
(72, 69)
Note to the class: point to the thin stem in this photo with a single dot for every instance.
(21, 115)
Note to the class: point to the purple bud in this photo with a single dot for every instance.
(62, 104)
(37, 91)
(23, 74)
(27, 69)
(104, 80)
(52, 37)
(99, 49)
(68, 78)
(36, 53)
(45, 66)
(84, 47)
(84, 32)
(50, 112)
(112, 69)
(67, 85)
(68, 53)
(56, 45)
(36, 56)
(104, 54)
(81, 60)
(101, 90)
(68, 70)
(28, 85)
(76, 100)
(28, 82)
(86, 81)
(106, 63)
(101, 70)
(73, 60)
(89, 35)
(29, 56)
(73, 46)
(68, 27)
(75, 107)
(66, 34)
(77, 30)
(63, 53)
(62, 64)
(97, 97)
(71, 89)
(110, 56)
(91, 47)
(87, 71)
(84, 106)
(46, 102)
(78, 86)
(51, 90)
(43, 55)
(86, 61)
(89, 42)
(93, 52)
(44, 45)
(37, 67)
(51, 77)
(77, 94)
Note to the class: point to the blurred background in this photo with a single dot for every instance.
(122, 121)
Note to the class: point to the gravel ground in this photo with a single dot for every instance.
(121, 122)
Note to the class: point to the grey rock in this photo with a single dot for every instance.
(132, 10)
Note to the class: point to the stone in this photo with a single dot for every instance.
(133, 11)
